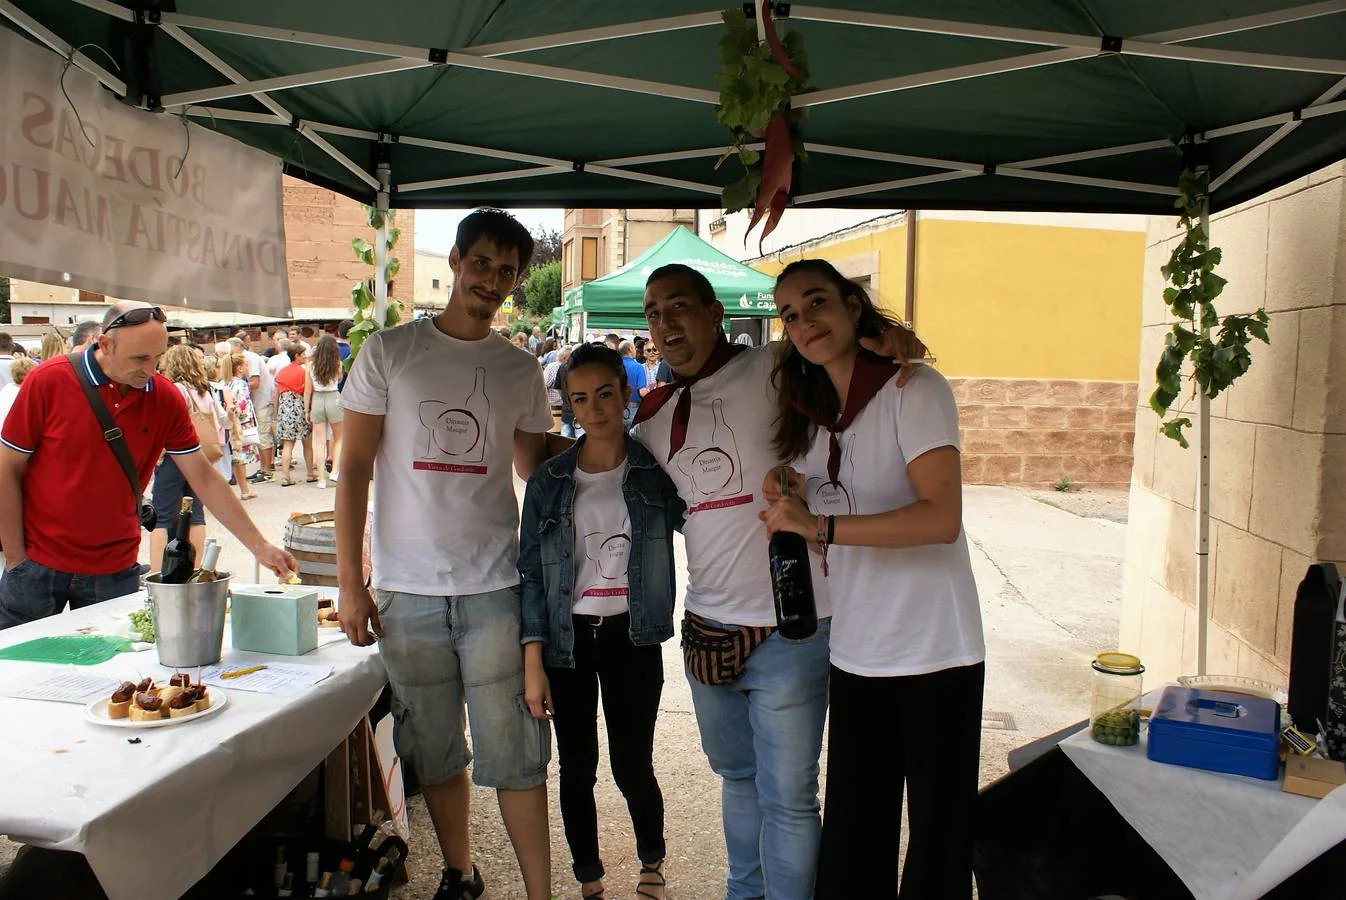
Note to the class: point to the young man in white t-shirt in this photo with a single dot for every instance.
(438, 409)
(762, 734)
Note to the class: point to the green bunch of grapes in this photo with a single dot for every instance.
(142, 620)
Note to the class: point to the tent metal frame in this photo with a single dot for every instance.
(1063, 47)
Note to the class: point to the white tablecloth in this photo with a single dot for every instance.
(1227, 837)
(154, 817)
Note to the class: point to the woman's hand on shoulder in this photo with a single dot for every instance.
(771, 483)
(899, 344)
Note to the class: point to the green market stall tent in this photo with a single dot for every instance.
(1041, 104)
(615, 301)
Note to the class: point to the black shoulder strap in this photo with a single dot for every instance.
(111, 433)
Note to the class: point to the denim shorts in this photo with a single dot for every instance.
(169, 488)
(450, 655)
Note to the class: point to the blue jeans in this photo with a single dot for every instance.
(762, 735)
(31, 591)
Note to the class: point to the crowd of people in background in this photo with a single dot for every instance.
(243, 405)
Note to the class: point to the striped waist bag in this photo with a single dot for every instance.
(717, 654)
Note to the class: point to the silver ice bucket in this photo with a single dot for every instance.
(188, 620)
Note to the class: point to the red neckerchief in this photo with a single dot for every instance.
(870, 374)
(655, 399)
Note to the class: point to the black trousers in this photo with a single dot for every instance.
(632, 679)
(918, 732)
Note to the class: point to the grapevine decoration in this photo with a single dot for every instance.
(362, 295)
(756, 83)
(1215, 363)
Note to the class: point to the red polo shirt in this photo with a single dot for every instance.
(78, 512)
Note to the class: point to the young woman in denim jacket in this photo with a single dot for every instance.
(596, 558)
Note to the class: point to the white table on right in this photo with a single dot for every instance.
(1227, 837)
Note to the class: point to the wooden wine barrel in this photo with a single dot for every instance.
(311, 540)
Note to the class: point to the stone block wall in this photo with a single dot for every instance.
(1033, 431)
(319, 226)
(1278, 444)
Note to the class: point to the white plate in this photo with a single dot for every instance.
(1238, 684)
(96, 712)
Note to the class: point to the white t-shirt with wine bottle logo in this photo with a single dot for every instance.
(446, 519)
(602, 543)
(719, 473)
(909, 610)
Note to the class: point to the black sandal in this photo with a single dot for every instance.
(656, 869)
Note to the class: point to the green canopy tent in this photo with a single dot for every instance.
(616, 299)
(1087, 105)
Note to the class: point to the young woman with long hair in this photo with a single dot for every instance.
(53, 345)
(294, 392)
(876, 487)
(596, 561)
(186, 368)
(325, 411)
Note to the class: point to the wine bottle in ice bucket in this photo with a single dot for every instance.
(792, 580)
(179, 560)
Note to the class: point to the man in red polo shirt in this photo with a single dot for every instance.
(72, 533)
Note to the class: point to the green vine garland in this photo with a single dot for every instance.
(362, 295)
(753, 90)
(1218, 363)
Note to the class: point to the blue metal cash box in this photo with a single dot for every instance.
(1216, 730)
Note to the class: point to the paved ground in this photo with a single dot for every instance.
(1050, 585)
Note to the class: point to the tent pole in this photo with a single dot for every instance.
(381, 246)
(1203, 500)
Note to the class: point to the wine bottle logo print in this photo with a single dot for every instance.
(458, 431)
(715, 470)
(833, 498)
(609, 554)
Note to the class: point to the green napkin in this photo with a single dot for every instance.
(75, 649)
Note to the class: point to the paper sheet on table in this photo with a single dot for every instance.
(1321, 830)
(285, 679)
(61, 686)
(1196, 821)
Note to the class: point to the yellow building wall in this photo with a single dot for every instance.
(891, 246)
(997, 300)
(1002, 300)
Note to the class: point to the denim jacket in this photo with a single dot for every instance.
(547, 552)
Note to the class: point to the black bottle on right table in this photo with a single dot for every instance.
(179, 560)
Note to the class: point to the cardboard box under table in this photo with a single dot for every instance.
(274, 618)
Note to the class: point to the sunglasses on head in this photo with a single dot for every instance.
(138, 316)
